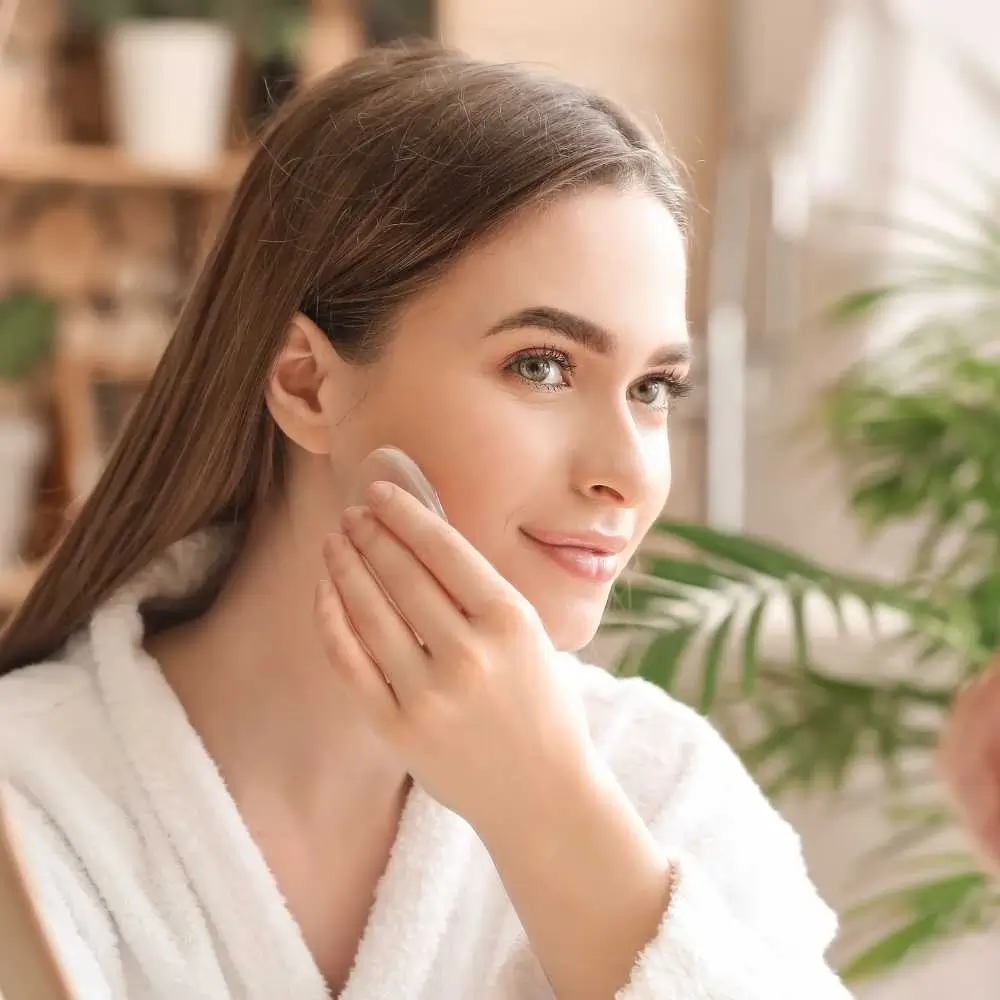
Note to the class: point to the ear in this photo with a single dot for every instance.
(294, 394)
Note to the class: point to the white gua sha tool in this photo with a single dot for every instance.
(392, 465)
(395, 466)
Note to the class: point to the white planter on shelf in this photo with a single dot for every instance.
(171, 85)
(24, 445)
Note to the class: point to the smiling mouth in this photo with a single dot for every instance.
(594, 563)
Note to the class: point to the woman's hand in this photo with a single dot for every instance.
(482, 718)
(475, 706)
(969, 755)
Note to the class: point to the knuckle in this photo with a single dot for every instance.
(465, 652)
(507, 613)
(470, 669)
(468, 684)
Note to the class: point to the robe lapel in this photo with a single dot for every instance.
(224, 870)
(413, 903)
(212, 862)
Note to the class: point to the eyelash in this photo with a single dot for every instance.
(676, 386)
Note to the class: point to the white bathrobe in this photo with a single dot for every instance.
(152, 887)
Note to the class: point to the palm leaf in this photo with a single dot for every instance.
(816, 728)
(751, 637)
(923, 915)
(732, 585)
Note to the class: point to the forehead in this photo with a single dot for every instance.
(616, 258)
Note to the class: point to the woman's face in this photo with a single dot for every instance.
(532, 386)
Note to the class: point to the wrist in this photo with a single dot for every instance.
(548, 799)
(576, 810)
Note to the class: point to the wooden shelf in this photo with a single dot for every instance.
(15, 582)
(106, 166)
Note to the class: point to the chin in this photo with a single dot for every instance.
(570, 609)
(570, 624)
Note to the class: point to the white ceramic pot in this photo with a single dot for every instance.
(171, 85)
(23, 448)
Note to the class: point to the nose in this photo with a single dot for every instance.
(622, 463)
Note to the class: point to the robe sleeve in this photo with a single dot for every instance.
(744, 921)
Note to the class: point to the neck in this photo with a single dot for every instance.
(258, 687)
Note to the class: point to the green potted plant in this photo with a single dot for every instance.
(27, 335)
(170, 66)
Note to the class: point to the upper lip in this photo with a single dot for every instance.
(594, 541)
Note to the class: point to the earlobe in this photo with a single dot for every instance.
(294, 392)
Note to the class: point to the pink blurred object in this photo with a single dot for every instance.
(969, 757)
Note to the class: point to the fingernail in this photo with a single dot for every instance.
(351, 517)
(379, 492)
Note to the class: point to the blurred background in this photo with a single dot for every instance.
(827, 572)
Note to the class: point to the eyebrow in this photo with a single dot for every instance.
(584, 332)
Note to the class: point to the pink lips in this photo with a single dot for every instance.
(589, 555)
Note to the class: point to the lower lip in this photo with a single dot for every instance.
(582, 563)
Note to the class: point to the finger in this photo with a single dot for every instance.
(388, 639)
(411, 587)
(350, 658)
(465, 573)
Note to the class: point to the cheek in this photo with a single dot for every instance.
(666, 472)
(485, 470)
(481, 457)
(659, 476)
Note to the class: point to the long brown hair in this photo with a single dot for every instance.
(364, 189)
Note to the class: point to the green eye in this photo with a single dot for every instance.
(535, 369)
(651, 392)
(658, 391)
(545, 368)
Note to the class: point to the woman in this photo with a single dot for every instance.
(237, 781)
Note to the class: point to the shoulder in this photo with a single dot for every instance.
(56, 745)
(687, 783)
(610, 698)
(665, 753)
(42, 703)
